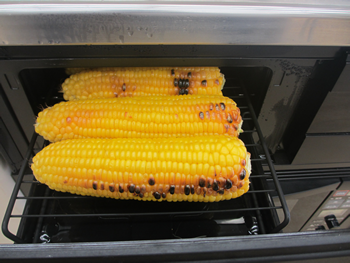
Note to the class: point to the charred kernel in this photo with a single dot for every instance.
(141, 195)
(137, 190)
(189, 74)
(151, 181)
(181, 92)
(201, 182)
(229, 118)
(132, 188)
(228, 184)
(172, 72)
(222, 181)
(185, 91)
(94, 185)
(204, 83)
(176, 82)
(217, 82)
(242, 175)
(121, 190)
(221, 191)
(156, 195)
(211, 106)
(204, 192)
(215, 185)
(192, 189)
(116, 94)
(240, 184)
(187, 189)
(102, 186)
(209, 182)
(243, 162)
(222, 105)
(111, 188)
(186, 83)
(172, 189)
(201, 115)
(226, 127)
(235, 127)
(217, 107)
(124, 87)
(181, 83)
(163, 195)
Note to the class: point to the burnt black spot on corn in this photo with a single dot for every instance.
(121, 190)
(156, 195)
(217, 107)
(221, 191)
(243, 174)
(201, 115)
(111, 188)
(189, 74)
(151, 181)
(185, 91)
(222, 105)
(102, 186)
(163, 195)
(172, 189)
(211, 106)
(176, 82)
(187, 83)
(132, 188)
(94, 185)
(187, 189)
(217, 82)
(124, 87)
(141, 195)
(192, 189)
(204, 83)
(228, 184)
(181, 83)
(137, 190)
(172, 72)
(202, 182)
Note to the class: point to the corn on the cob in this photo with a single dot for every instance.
(122, 82)
(204, 168)
(139, 117)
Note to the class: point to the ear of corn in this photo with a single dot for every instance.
(121, 82)
(203, 168)
(140, 117)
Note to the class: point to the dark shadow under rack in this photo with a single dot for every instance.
(46, 209)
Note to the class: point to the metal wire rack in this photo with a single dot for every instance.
(44, 206)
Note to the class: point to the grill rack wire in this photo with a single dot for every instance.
(259, 156)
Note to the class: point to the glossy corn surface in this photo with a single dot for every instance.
(127, 82)
(204, 168)
(140, 117)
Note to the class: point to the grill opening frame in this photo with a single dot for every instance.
(258, 194)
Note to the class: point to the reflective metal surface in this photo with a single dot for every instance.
(166, 22)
